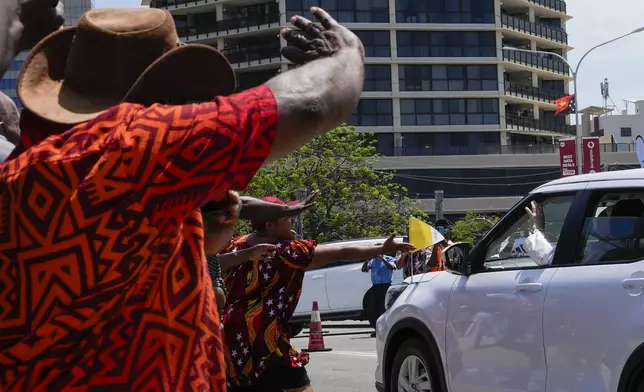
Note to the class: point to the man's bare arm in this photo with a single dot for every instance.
(325, 254)
(321, 94)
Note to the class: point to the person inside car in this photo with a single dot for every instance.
(542, 252)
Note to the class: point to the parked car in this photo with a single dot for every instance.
(498, 321)
(339, 288)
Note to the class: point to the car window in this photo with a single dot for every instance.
(508, 249)
(613, 229)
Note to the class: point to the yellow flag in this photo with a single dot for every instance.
(422, 235)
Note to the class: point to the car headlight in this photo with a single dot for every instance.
(393, 293)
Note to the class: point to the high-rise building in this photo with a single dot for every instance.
(451, 108)
(73, 10)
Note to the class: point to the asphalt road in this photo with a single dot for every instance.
(350, 365)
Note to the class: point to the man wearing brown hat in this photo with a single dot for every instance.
(103, 280)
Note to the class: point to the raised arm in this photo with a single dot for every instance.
(25, 22)
(322, 93)
(325, 254)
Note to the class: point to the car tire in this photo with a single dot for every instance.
(417, 352)
(296, 329)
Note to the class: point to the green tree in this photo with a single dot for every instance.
(472, 227)
(355, 200)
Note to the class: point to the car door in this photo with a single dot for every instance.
(313, 289)
(495, 340)
(346, 286)
(593, 318)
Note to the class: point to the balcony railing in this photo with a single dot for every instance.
(533, 124)
(497, 149)
(230, 25)
(539, 94)
(249, 54)
(557, 5)
(536, 60)
(534, 28)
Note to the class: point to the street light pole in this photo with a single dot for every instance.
(575, 72)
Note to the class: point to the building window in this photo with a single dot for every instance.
(385, 144)
(625, 132)
(376, 43)
(372, 112)
(448, 77)
(344, 11)
(446, 43)
(445, 11)
(449, 111)
(377, 78)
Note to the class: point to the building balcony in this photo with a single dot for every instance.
(530, 92)
(181, 4)
(536, 126)
(531, 28)
(536, 60)
(557, 5)
(248, 56)
(230, 26)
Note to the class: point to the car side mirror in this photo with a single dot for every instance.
(456, 258)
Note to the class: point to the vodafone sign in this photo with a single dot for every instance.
(592, 162)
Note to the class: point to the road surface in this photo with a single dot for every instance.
(350, 365)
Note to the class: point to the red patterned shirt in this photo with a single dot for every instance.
(103, 280)
(262, 297)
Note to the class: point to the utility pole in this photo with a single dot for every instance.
(438, 204)
(297, 225)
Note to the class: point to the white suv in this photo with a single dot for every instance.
(498, 321)
(340, 289)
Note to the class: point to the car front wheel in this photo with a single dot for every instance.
(414, 370)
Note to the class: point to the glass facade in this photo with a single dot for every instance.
(377, 78)
(446, 43)
(344, 11)
(445, 11)
(73, 11)
(376, 43)
(451, 111)
(448, 77)
(373, 112)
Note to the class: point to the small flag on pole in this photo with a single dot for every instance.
(565, 104)
(422, 235)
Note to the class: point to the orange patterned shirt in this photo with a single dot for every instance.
(103, 279)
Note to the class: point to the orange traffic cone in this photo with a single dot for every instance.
(316, 337)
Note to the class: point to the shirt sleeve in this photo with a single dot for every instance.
(180, 157)
(299, 253)
(539, 249)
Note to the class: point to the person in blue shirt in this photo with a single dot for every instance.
(382, 269)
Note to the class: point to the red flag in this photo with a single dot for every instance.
(565, 104)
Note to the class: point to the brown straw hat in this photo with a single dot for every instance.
(119, 55)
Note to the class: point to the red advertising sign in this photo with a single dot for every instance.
(590, 150)
(567, 157)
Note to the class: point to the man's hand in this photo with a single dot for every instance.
(220, 218)
(535, 216)
(255, 253)
(39, 18)
(312, 42)
(391, 246)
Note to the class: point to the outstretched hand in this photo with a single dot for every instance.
(391, 246)
(256, 252)
(311, 42)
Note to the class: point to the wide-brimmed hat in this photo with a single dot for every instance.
(258, 224)
(119, 55)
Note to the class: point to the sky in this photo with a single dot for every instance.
(594, 22)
